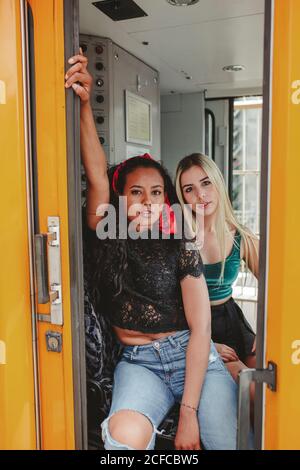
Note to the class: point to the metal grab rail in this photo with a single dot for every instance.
(246, 376)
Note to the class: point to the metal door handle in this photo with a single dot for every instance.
(48, 271)
(41, 267)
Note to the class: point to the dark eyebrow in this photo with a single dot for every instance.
(191, 184)
(141, 187)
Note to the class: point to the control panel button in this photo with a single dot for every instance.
(99, 82)
(100, 98)
(100, 120)
(99, 50)
(99, 66)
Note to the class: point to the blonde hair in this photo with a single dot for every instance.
(225, 217)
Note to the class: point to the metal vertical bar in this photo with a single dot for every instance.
(230, 145)
(71, 26)
(243, 435)
(264, 220)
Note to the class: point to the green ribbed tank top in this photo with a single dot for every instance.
(220, 290)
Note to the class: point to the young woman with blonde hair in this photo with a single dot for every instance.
(225, 243)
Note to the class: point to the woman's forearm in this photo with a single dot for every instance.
(92, 153)
(197, 355)
(95, 165)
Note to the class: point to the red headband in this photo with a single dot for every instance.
(119, 168)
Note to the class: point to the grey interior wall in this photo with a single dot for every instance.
(182, 127)
(130, 73)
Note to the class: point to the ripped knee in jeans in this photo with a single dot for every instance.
(130, 436)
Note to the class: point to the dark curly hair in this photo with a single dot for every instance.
(120, 245)
(131, 165)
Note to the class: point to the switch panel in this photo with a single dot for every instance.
(97, 51)
(115, 71)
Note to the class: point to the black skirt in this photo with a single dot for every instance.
(229, 326)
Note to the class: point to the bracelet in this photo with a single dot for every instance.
(189, 406)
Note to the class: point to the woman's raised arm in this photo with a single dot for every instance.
(92, 153)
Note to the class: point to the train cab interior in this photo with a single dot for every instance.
(170, 78)
(173, 77)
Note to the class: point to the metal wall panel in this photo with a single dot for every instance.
(114, 71)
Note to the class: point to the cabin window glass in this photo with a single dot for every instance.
(246, 166)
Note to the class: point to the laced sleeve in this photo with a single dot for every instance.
(190, 261)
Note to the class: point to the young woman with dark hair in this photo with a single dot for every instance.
(157, 301)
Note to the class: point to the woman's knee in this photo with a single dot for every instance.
(131, 428)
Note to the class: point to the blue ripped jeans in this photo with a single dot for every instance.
(150, 379)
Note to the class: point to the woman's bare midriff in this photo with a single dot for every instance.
(134, 338)
(219, 302)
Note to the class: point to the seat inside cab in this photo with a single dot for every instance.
(171, 80)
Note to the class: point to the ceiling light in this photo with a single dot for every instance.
(234, 68)
(182, 3)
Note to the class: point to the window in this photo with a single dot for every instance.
(247, 128)
(246, 164)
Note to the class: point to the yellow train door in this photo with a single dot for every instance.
(17, 337)
(282, 409)
(277, 412)
(42, 360)
(60, 316)
(42, 365)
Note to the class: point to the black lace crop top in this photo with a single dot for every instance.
(150, 300)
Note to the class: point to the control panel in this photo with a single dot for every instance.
(116, 72)
(97, 51)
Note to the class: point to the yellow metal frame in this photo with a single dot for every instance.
(283, 321)
(17, 406)
(56, 378)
